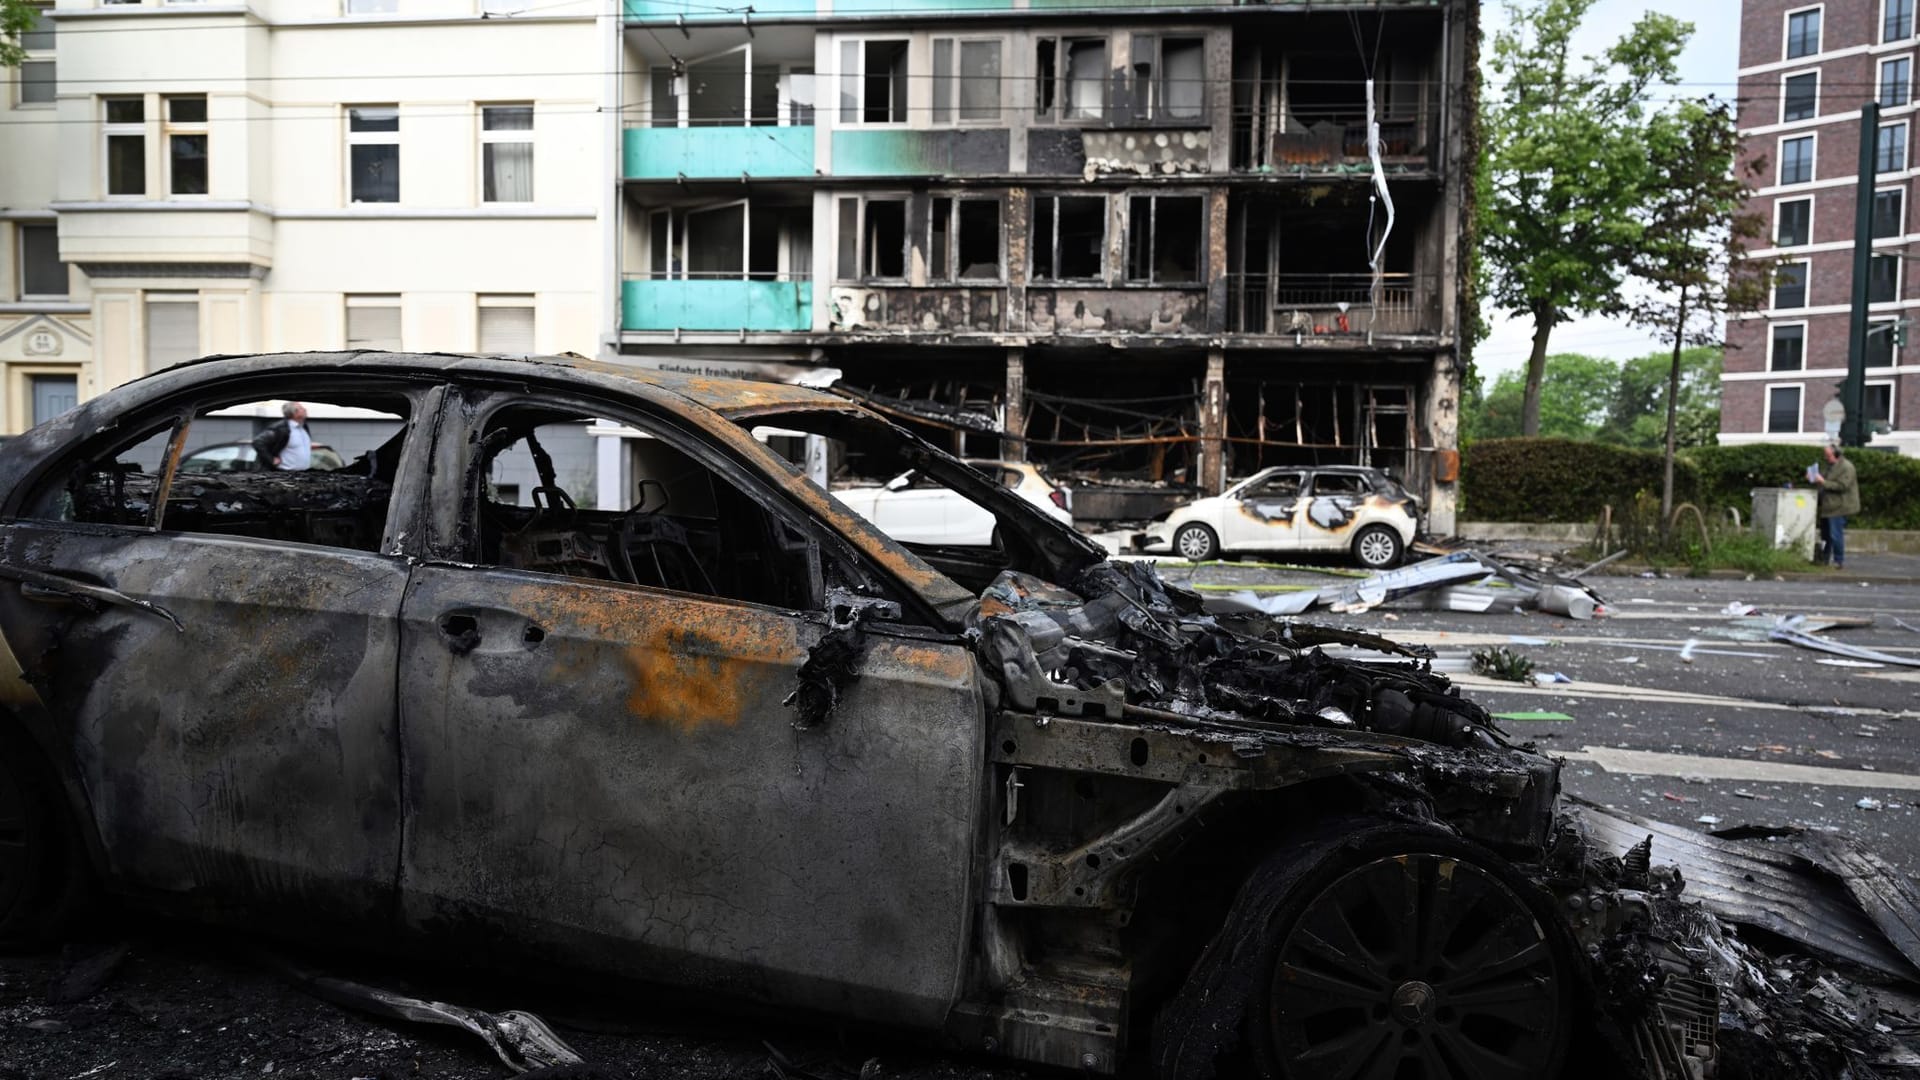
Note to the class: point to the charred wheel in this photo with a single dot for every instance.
(1422, 964)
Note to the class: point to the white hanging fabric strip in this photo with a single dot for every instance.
(1380, 186)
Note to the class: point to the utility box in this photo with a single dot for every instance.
(1785, 516)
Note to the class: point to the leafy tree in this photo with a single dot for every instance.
(1578, 396)
(1635, 416)
(1689, 254)
(1565, 170)
(16, 18)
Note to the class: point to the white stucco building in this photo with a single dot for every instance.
(185, 178)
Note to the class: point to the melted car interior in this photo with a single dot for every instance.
(344, 507)
(683, 527)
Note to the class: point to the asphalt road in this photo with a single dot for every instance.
(1734, 732)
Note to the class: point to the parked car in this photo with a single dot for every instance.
(735, 739)
(915, 509)
(240, 457)
(1290, 508)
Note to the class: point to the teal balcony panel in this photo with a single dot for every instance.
(912, 152)
(672, 10)
(889, 7)
(732, 304)
(663, 153)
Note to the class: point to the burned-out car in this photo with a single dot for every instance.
(1347, 508)
(724, 735)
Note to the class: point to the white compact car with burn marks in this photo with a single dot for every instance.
(1295, 508)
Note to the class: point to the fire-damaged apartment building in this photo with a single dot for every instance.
(1149, 246)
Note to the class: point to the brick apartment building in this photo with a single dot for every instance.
(1805, 71)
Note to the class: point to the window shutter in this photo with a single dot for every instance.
(373, 327)
(173, 332)
(506, 330)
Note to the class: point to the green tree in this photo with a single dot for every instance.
(1636, 415)
(1689, 255)
(16, 18)
(1565, 172)
(1578, 395)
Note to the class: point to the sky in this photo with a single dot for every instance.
(1707, 66)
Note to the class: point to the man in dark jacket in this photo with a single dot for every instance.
(1839, 500)
(286, 444)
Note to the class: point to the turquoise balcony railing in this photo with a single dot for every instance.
(716, 304)
(664, 153)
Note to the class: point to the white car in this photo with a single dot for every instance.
(1292, 508)
(914, 510)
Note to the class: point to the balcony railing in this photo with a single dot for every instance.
(669, 153)
(761, 302)
(1319, 140)
(1331, 304)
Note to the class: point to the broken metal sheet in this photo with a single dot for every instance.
(520, 1039)
(1783, 893)
(1792, 632)
(1465, 598)
(1458, 568)
(1246, 600)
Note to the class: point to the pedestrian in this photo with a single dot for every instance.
(1839, 500)
(286, 444)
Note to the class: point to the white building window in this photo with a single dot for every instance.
(126, 150)
(1790, 284)
(186, 143)
(37, 78)
(1803, 32)
(1788, 349)
(506, 324)
(1890, 149)
(1896, 82)
(967, 72)
(1896, 20)
(506, 153)
(42, 274)
(373, 153)
(372, 7)
(1889, 213)
(1876, 403)
(873, 81)
(1170, 76)
(173, 328)
(373, 323)
(1796, 160)
(1792, 222)
(1783, 409)
(1800, 96)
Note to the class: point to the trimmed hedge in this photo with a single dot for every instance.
(1889, 483)
(1560, 479)
(1564, 480)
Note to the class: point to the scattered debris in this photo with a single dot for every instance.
(1524, 716)
(1851, 663)
(1794, 631)
(1465, 581)
(1708, 819)
(1867, 802)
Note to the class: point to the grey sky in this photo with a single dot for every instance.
(1707, 67)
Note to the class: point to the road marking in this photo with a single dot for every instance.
(1613, 692)
(1652, 763)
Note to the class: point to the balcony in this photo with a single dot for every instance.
(920, 152)
(1331, 141)
(669, 153)
(769, 304)
(902, 309)
(1320, 305)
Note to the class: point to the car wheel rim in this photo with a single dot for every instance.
(1418, 965)
(1193, 544)
(16, 842)
(1376, 549)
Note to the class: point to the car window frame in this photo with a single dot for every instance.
(179, 410)
(472, 403)
(1366, 486)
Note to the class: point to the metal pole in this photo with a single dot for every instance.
(1853, 430)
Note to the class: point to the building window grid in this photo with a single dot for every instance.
(38, 79)
(1890, 148)
(1896, 20)
(373, 153)
(1803, 32)
(1895, 82)
(1799, 96)
(1792, 222)
(1787, 347)
(125, 153)
(506, 153)
(1796, 160)
(1784, 408)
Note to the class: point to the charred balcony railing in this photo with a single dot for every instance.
(1332, 139)
(1331, 304)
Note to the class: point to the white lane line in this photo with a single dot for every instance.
(1612, 692)
(1653, 763)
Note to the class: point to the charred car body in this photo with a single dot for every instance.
(730, 737)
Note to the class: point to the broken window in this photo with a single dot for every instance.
(873, 82)
(1069, 237)
(1070, 76)
(963, 240)
(975, 83)
(219, 487)
(1169, 76)
(1163, 238)
(679, 526)
(872, 240)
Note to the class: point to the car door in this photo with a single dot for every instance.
(609, 772)
(1333, 500)
(913, 510)
(1263, 516)
(230, 704)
